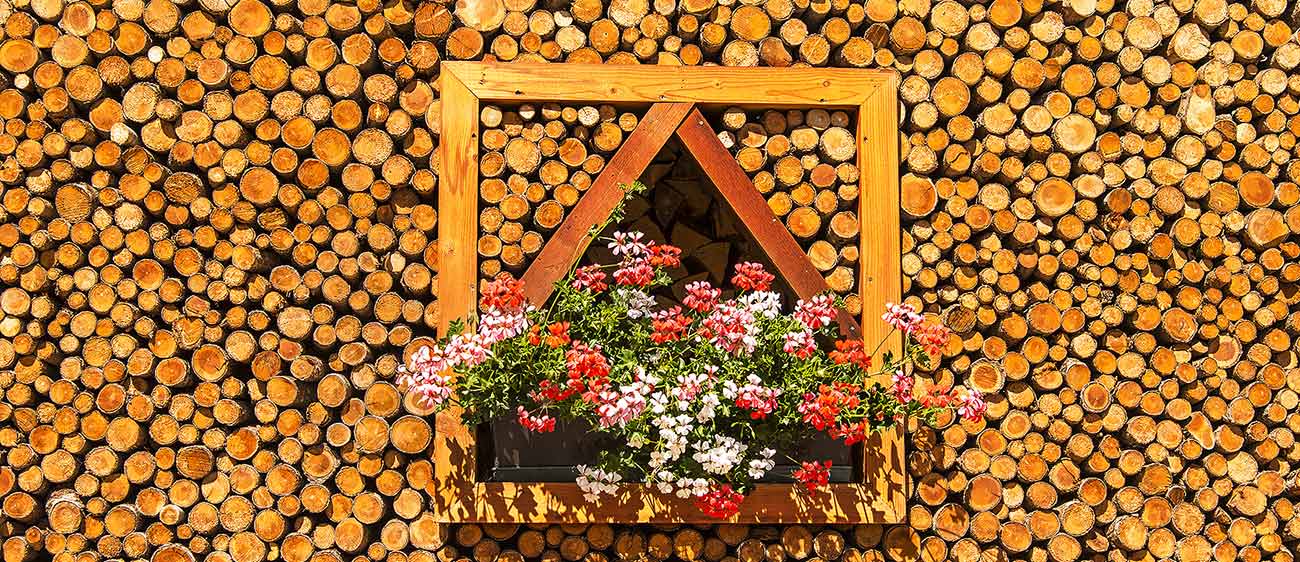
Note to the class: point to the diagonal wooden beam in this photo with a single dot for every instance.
(570, 240)
(741, 195)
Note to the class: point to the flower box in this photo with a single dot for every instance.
(520, 455)
(675, 95)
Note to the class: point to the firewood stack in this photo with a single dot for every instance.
(218, 236)
(536, 161)
(805, 165)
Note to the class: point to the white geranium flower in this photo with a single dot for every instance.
(638, 302)
(763, 303)
(595, 482)
(719, 455)
(708, 407)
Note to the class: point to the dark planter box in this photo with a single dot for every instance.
(519, 455)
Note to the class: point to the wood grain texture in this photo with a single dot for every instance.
(878, 198)
(767, 504)
(453, 444)
(458, 203)
(612, 84)
(881, 249)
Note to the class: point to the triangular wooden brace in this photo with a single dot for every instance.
(574, 234)
(663, 119)
(739, 192)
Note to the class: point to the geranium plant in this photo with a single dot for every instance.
(703, 392)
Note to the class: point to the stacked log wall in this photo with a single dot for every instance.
(218, 236)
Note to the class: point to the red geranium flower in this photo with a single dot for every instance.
(665, 255)
(758, 400)
(588, 368)
(669, 325)
(548, 390)
(558, 334)
(851, 351)
(701, 296)
(821, 410)
(539, 423)
(851, 433)
(720, 502)
(813, 475)
(937, 397)
(750, 276)
(504, 293)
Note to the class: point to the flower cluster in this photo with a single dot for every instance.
(701, 296)
(732, 328)
(626, 404)
(669, 325)
(698, 394)
(813, 475)
(587, 368)
(816, 312)
(851, 351)
(965, 402)
(557, 335)
(752, 396)
(427, 377)
(750, 276)
(903, 385)
(970, 404)
(800, 344)
(822, 409)
(589, 278)
(505, 317)
(542, 423)
(720, 502)
(595, 482)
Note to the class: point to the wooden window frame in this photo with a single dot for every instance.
(880, 497)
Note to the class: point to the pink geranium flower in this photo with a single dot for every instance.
(970, 404)
(701, 296)
(635, 274)
(800, 344)
(816, 312)
(628, 244)
(589, 278)
(903, 385)
(732, 328)
(758, 399)
(903, 317)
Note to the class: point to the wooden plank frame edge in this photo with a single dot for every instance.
(454, 455)
(766, 88)
(880, 249)
(458, 496)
